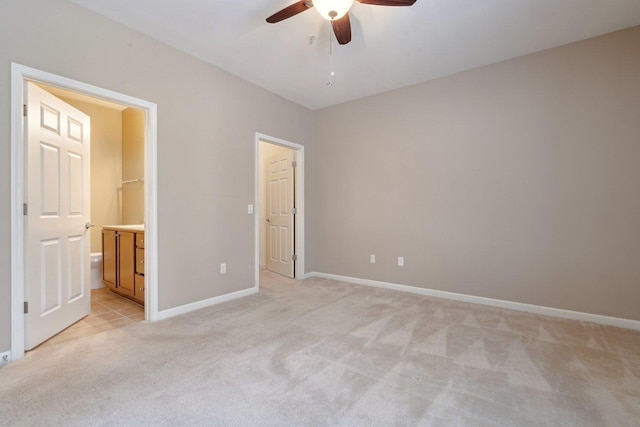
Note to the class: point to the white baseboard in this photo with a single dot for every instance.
(529, 308)
(176, 311)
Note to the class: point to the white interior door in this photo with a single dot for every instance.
(280, 217)
(58, 288)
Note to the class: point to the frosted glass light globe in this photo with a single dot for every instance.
(332, 10)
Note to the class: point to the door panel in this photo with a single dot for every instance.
(76, 261)
(75, 130)
(126, 262)
(76, 202)
(280, 199)
(50, 285)
(49, 118)
(109, 261)
(283, 242)
(57, 194)
(50, 177)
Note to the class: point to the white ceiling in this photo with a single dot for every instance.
(391, 47)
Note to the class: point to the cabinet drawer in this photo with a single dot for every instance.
(139, 291)
(140, 240)
(139, 261)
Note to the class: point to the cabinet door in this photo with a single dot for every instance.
(109, 260)
(126, 258)
(139, 293)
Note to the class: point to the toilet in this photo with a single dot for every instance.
(96, 270)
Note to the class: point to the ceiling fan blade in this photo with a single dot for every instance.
(342, 29)
(388, 2)
(289, 11)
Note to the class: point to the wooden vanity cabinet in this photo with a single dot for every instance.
(123, 263)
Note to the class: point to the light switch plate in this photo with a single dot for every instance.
(372, 259)
(223, 268)
(400, 261)
(250, 209)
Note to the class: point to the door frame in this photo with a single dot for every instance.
(299, 270)
(20, 74)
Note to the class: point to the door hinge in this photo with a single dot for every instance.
(294, 164)
(26, 307)
(294, 257)
(24, 110)
(25, 209)
(294, 211)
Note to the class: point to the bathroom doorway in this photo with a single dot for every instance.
(104, 106)
(116, 197)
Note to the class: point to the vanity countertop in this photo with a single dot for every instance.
(132, 227)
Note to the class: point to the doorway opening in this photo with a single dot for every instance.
(106, 108)
(279, 218)
(116, 141)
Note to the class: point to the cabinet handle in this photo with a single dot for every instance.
(141, 261)
(141, 240)
(141, 289)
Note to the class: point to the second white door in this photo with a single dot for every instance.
(280, 213)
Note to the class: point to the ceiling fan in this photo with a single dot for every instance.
(336, 11)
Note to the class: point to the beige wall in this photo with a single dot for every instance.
(206, 137)
(517, 181)
(106, 166)
(133, 125)
(266, 150)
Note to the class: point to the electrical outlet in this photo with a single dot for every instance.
(250, 209)
(223, 268)
(5, 357)
(400, 261)
(372, 259)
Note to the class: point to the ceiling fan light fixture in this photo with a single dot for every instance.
(332, 10)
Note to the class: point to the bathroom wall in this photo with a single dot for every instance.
(106, 166)
(133, 129)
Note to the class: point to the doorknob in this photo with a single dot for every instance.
(88, 225)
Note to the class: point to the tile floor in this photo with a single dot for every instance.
(108, 311)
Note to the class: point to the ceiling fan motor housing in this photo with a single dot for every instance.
(333, 9)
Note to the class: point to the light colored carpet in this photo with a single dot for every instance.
(320, 352)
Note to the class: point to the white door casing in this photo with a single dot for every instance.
(58, 288)
(280, 217)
